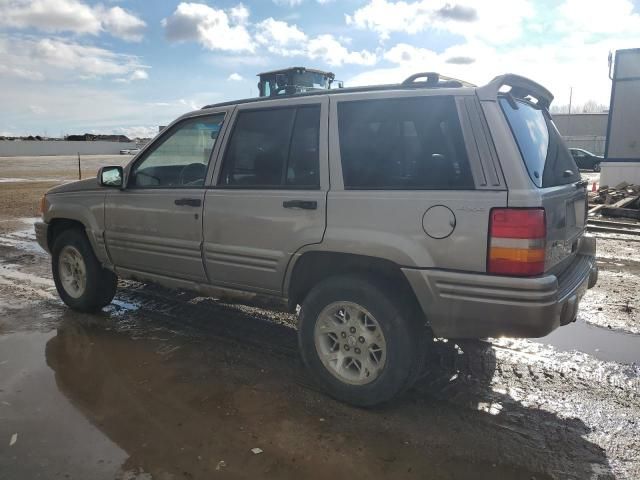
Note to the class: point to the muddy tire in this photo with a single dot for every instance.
(359, 340)
(81, 281)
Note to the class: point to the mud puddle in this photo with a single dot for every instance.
(173, 408)
(600, 342)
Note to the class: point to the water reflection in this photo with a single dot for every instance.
(179, 407)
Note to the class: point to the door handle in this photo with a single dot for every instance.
(304, 204)
(190, 202)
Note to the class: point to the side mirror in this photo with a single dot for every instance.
(111, 176)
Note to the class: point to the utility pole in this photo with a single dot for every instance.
(79, 171)
(570, 97)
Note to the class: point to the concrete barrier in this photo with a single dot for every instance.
(33, 148)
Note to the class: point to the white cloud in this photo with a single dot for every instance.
(332, 52)
(239, 13)
(557, 66)
(280, 38)
(597, 17)
(138, 74)
(122, 24)
(288, 3)
(493, 21)
(295, 3)
(51, 58)
(214, 29)
(562, 45)
(71, 16)
(37, 109)
(235, 77)
(50, 16)
(140, 131)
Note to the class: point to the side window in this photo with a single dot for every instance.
(274, 148)
(303, 163)
(182, 157)
(408, 143)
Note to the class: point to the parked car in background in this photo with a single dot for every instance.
(385, 216)
(585, 159)
(129, 151)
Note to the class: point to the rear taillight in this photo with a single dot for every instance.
(516, 241)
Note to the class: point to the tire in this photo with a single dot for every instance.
(81, 281)
(596, 167)
(371, 378)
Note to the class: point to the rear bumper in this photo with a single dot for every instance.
(464, 305)
(42, 231)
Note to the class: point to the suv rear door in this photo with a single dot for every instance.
(269, 197)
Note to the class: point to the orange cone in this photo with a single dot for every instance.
(594, 187)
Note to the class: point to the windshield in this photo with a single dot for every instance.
(545, 155)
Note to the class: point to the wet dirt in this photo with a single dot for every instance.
(602, 343)
(23, 180)
(615, 302)
(169, 385)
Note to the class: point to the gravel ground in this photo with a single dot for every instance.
(168, 385)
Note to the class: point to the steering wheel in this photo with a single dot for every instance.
(192, 174)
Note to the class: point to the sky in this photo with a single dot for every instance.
(75, 66)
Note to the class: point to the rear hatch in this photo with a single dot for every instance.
(554, 172)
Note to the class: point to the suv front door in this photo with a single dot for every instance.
(154, 225)
(270, 196)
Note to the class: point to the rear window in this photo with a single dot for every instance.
(545, 155)
(398, 144)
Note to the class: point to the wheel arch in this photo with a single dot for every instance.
(312, 267)
(59, 225)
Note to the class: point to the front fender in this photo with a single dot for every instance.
(85, 207)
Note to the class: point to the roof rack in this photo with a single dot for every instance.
(435, 80)
(432, 80)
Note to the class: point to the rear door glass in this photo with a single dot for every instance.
(403, 144)
(545, 154)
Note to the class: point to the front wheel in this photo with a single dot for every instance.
(81, 281)
(358, 341)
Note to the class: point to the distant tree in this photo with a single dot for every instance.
(591, 106)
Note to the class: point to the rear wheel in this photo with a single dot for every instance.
(596, 167)
(359, 341)
(81, 281)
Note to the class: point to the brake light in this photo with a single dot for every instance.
(517, 241)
